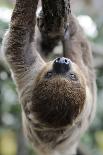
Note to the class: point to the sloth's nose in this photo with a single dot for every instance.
(61, 65)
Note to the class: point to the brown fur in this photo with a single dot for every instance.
(60, 110)
(56, 111)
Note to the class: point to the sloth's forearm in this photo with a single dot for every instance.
(20, 36)
(18, 43)
(24, 14)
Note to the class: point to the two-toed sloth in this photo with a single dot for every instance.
(57, 97)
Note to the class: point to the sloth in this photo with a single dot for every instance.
(57, 97)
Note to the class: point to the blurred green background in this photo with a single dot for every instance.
(12, 142)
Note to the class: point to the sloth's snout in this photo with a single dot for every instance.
(61, 65)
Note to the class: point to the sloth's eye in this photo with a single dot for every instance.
(48, 75)
(73, 77)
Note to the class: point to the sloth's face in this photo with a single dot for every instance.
(59, 94)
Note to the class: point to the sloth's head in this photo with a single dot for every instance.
(59, 94)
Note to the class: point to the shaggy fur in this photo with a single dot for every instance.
(56, 109)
